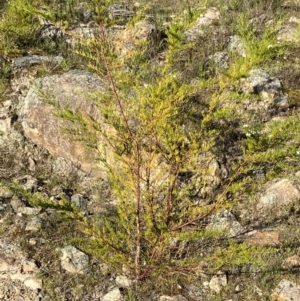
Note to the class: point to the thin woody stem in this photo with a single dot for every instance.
(137, 157)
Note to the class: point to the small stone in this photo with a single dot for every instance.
(74, 261)
(236, 44)
(79, 201)
(35, 224)
(257, 291)
(4, 266)
(5, 192)
(31, 163)
(29, 210)
(32, 241)
(282, 101)
(218, 282)
(123, 281)
(29, 183)
(33, 283)
(113, 295)
(209, 19)
(29, 266)
(19, 276)
(220, 59)
(16, 204)
(291, 262)
(173, 298)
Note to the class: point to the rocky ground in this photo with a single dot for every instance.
(40, 162)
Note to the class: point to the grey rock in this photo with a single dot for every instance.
(84, 13)
(295, 4)
(261, 82)
(87, 15)
(6, 117)
(286, 291)
(5, 192)
(220, 59)
(210, 18)
(30, 60)
(18, 274)
(236, 44)
(288, 33)
(128, 39)
(5, 266)
(74, 261)
(33, 283)
(16, 203)
(173, 298)
(81, 32)
(50, 32)
(195, 291)
(80, 201)
(34, 225)
(225, 221)
(282, 101)
(31, 164)
(120, 13)
(29, 183)
(29, 210)
(218, 282)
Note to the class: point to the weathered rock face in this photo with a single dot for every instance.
(44, 128)
(209, 19)
(236, 44)
(278, 194)
(225, 221)
(131, 37)
(30, 60)
(18, 274)
(264, 238)
(260, 82)
(218, 282)
(286, 291)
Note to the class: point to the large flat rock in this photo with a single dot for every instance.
(39, 114)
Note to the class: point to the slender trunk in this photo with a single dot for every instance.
(136, 156)
(138, 216)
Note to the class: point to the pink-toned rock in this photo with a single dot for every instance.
(278, 194)
(264, 238)
(39, 114)
(291, 262)
(128, 39)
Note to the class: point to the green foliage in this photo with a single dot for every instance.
(149, 145)
(160, 127)
(239, 255)
(19, 25)
(275, 145)
(36, 199)
(260, 48)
